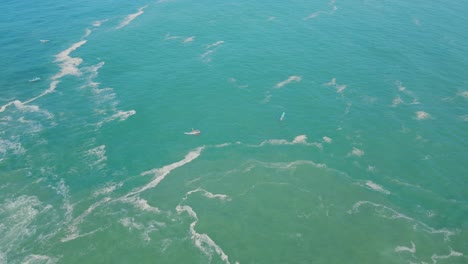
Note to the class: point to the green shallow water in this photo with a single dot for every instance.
(367, 166)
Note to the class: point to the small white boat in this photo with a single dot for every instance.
(194, 132)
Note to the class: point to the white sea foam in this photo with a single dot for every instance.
(151, 227)
(76, 235)
(426, 157)
(63, 190)
(214, 196)
(356, 152)
(339, 88)
(206, 53)
(290, 165)
(202, 241)
(93, 72)
(21, 105)
(403, 249)
(421, 115)
(52, 87)
(407, 92)
(317, 13)
(463, 94)
(382, 210)
(464, 118)
(331, 83)
(207, 194)
(223, 145)
(141, 204)
(267, 97)
(301, 139)
(26, 108)
(120, 115)
(400, 86)
(298, 140)
(129, 222)
(13, 147)
(123, 115)
(215, 44)
(104, 96)
(430, 213)
(35, 79)
(36, 259)
(68, 65)
(327, 140)
(109, 188)
(87, 33)
(165, 243)
(5, 106)
(131, 17)
(73, 231)
(98, 23)
(44, 40)
(5, 120)
(314, 15)
(18, 216)
(453, 253)
(31, 108)
(397, 101)
(189, 39)
(169, 37)
(374, 186)
(99, 154)
(161, 173)
(389, 213)
(289, 80)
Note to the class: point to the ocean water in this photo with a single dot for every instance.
(331, 131)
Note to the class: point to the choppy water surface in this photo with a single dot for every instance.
(331, 132)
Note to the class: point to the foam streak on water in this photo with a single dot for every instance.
(412, 249)
(207, 194)
(289, 80)
(304, 100)
(131, 17)
(202, 241)
(298, 140)
(73, 230)
(160, 173)
(68, 65)
(389, 213)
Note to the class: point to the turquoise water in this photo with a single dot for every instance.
(368, 164)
